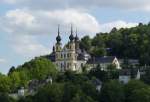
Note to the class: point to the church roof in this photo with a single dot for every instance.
(129, 72)
(126, 72)
(96, 82)
(104, 59)
(82, 55)
(51, 56)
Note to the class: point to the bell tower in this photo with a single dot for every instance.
(71, 43)
(72, 52)
(58, 46)
(58, 42)
(76, 41)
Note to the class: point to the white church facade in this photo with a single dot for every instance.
(70, 56)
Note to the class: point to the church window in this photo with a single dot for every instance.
(64, 55)
(68, 55)
(56, 55)
(81, 64)
(57, 48)
(68, 65)
(61, 65)
(61, 55)
(75, 66)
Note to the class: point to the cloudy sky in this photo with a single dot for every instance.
(28, 27)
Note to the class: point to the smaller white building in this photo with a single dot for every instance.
(104, 62)
(21, 92)
(49, 80)
(138, 76)
(98, 84)
(124, 79)
(125, 75)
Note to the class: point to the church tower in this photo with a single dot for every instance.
(58, 42)
(76, 42)
(58, 48)
(71, 43)
(68, 57)
(71, 51)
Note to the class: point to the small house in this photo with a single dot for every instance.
(104, 62)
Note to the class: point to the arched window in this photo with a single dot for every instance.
(61, 55)
(68, 55)
(68, 65)
(64, 55)
(61, 65)
(82, 65)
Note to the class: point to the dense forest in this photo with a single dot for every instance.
(129, 43)
(38, 68)
(71, 86)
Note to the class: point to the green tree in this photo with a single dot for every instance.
(131, 88)
(80, 97)
(85, 43)
(69, 91)
(5, 98)
(112, 91)
(4, 84)
(141, 95)
(49, 93)
(12, 69)
(98, 73)
(146, 77)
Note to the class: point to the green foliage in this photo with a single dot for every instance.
(132, 43)
(98, 73)
(112, 91)
(5, 98)
(70, 90)
(85, 43)
(111, 67)
(50, 93)
(12, 69)
(38, 68)
(4, 84)
(133, 88)
(141, 95)
(80, 97)
(146, 77)
(111, 73)
(72, 87)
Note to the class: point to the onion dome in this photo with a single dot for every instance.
(58, 38)
(76, 37)
(53, 48)
(71, 37)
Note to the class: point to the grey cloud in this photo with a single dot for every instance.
(85, 4)
(21, 21)
(2, 61)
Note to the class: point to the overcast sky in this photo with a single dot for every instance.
(28, 27)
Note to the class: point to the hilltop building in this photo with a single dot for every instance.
(125, 75)
(104, 62)
(71, 57)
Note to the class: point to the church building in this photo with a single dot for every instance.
(70, 56)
